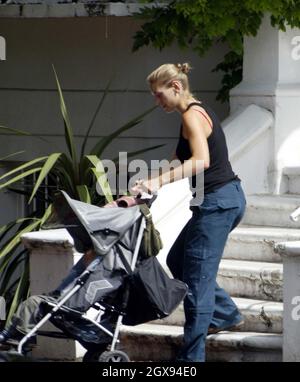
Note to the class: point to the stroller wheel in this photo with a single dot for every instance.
(114, 356)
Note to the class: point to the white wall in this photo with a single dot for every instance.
(85, 59)
(271, 79)
(86, 52)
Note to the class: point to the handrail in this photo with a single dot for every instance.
(244, 127)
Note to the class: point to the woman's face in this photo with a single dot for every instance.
(166, 97)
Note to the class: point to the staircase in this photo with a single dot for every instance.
(251, 273)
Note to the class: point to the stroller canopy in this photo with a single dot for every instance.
(93, 226)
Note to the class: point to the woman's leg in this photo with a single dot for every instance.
(226, 313)
(205, 240)
(175, 256)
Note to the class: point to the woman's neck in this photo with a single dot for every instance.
(184, 103)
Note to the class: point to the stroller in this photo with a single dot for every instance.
(122, 285)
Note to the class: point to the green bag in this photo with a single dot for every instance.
(151, 243)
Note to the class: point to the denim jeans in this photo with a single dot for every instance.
(195, 257)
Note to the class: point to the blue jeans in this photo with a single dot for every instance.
(195, 257)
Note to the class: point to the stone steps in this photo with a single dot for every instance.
(149, 342)
(252, 243)
(251, 279)
(251, 272)
(271, 210)
(259, 316)
(293, 179)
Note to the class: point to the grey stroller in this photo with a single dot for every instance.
(122, 284)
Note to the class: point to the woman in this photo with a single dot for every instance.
(196, 253)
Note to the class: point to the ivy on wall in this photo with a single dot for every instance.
(199, 24)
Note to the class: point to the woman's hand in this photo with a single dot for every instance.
(150, 186)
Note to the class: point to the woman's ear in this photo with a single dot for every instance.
(177, 86)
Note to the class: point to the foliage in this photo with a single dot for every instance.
(76, 174)
(199, 24)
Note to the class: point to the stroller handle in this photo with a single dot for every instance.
(148, 198)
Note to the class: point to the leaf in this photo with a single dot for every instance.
(20, 132)
(16, 239)
(7, 270)
(46, 215)
(104, 185)
(7, 227)
(23, 284)
(93, 159)
(64, 168)
(235, 41)
(84, 194)
(15, 131)
(104, 142)
(22, 167)
(94, 118)
(20, 176)
(68, 129)
(11, 155)
(65, 181)
(50, 162)
(101, 177)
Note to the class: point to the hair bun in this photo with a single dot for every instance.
(184, 68)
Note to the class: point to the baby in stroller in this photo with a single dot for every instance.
(110, 239)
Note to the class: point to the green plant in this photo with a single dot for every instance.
(199, 24)
(73, 173)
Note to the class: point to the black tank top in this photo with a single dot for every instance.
(219, 172)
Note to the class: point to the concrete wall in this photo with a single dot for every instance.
(86, 52)
(271, 79)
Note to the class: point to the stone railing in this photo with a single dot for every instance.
(52, 255)
(290, 252)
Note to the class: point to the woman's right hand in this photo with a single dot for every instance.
(150, 186)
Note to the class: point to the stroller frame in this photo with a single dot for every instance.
(79, 283)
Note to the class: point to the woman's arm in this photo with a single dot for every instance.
(195, 131)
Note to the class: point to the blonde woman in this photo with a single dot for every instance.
(196, 253)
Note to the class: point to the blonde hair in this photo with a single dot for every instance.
(169, 72)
